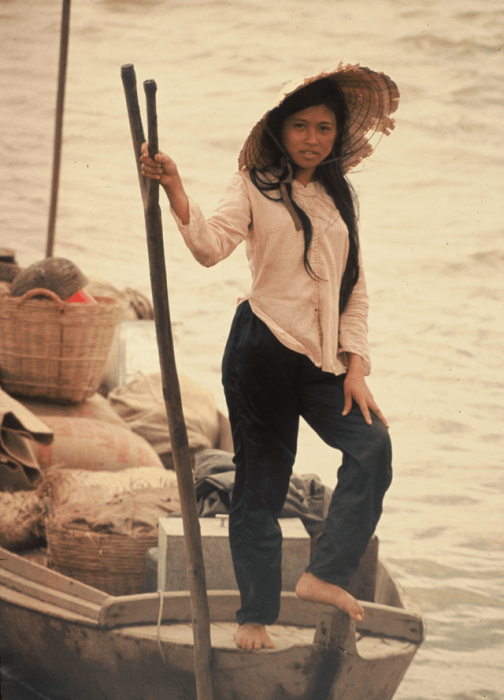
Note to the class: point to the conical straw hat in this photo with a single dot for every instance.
(371, 98)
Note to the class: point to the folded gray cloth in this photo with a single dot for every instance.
(307, 498)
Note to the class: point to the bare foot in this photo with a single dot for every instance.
(253, 636)
(313, 589)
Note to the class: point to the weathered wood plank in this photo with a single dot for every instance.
(52, 579)
(118, 611)
(396, 623)
(289, 635)
(49, 595)
(372, 676)
(50, 586)
(284, 637)
(294, 611)
(222, 639)
(178, 633)
(144, 608)
(381, 647)
(27, 602)
(335, 629)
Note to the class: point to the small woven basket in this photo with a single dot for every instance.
(54, 350)
(111, 562)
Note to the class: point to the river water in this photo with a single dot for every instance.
(431, 229)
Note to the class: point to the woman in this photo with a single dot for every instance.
(298, 342)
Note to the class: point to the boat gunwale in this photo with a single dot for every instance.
(113, 612)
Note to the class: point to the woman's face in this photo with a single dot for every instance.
(308, 137)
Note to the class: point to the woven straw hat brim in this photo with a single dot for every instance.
(371, 98)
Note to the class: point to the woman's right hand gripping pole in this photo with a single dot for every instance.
(164, 169)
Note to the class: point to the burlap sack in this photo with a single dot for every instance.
(77, 488)
(141, 405)
(135, 304)
(21, 520)
(100, 526)
(19, 431)
(86, 443)
(96, 407)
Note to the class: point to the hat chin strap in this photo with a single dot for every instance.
(286, 198)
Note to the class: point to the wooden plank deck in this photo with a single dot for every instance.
(284, 636)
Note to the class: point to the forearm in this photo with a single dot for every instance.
(356, 365)
(178, 199)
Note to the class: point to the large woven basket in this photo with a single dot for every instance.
(111, 562)
(54, 350)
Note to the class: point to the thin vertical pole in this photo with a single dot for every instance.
(176, 422)
(171, 388)
(58, 130)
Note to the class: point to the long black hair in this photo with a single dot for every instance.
(330, 172)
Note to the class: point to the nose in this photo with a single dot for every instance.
(311, 136)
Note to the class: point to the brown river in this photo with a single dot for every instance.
(432, 236)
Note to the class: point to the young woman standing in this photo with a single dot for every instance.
(298, 342)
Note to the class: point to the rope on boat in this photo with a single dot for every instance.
(160, 617)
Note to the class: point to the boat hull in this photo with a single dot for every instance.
(72, 660)
(69, 641)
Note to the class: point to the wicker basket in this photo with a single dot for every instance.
(54, 350)
(111, 562)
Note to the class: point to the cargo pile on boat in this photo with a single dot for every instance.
(86, 469)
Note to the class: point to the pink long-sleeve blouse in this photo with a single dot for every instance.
(301, 311)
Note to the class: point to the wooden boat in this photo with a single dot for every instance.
(70, 641)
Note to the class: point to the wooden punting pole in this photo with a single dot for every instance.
(171, 387)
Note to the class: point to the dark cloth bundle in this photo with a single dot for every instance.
(307, 498)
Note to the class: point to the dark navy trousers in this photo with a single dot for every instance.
(268, 387)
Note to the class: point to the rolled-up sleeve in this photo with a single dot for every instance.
(214, 239)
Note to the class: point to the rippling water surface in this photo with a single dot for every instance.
(431, 227)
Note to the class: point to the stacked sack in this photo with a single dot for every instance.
(100, 525)
(55, 337)
(87, 478)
